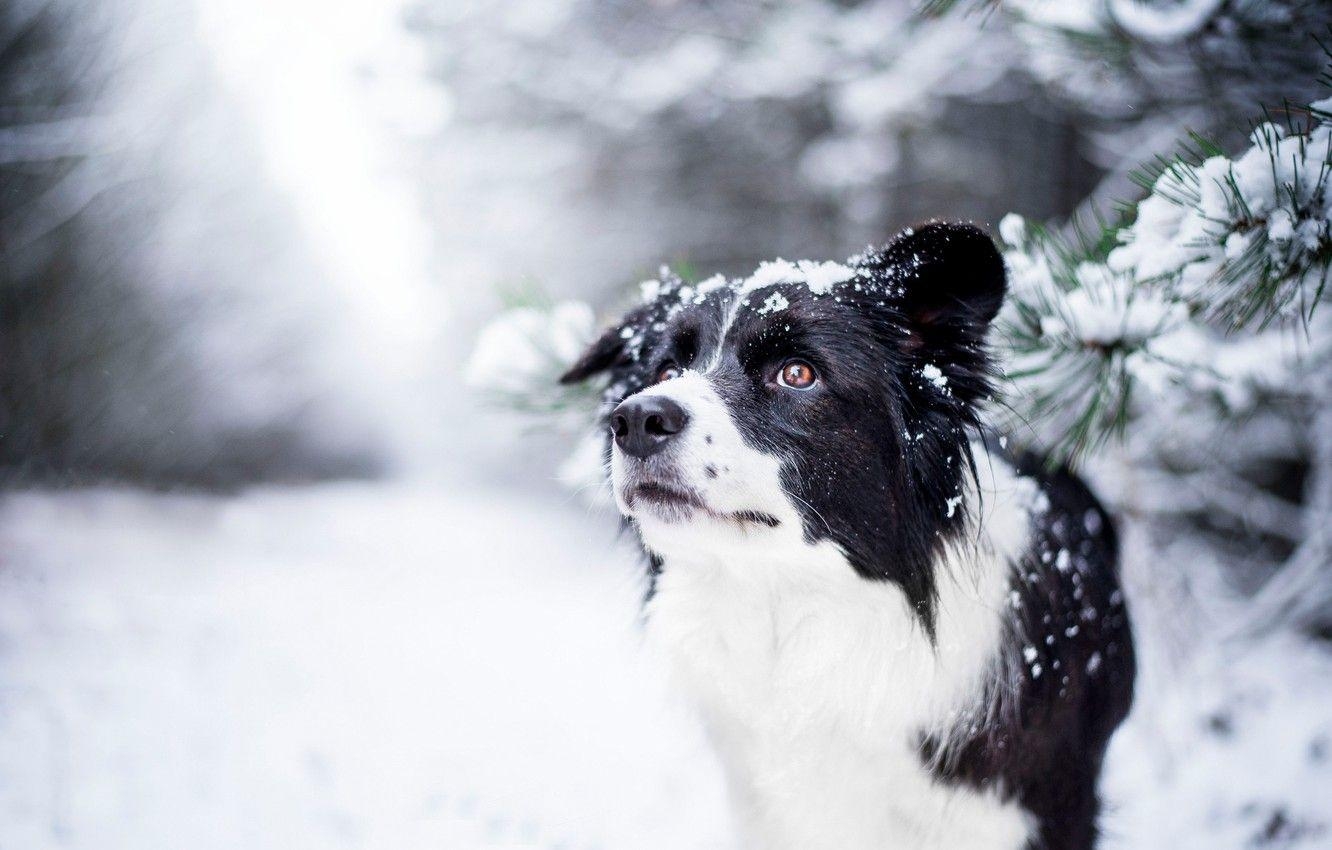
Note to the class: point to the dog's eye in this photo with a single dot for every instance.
(797, 375)
(668, 370)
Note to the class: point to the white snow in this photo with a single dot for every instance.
(1063, 561)
(711, 285)
(1163, 23)
(1028, 493)
(356, 665)
(953, 502)
(529, 345)
(1109, 308)
(1077, 15)
(819, 277)
(400, 667)
(650, 290)
(1013, 229)
(822, 276)
(1235, 747)
(934, 375)
(770, 272)
(774, 302)
(1273, 190)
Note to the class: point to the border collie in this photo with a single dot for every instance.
(900, 634)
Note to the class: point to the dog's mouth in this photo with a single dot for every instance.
(668, 495)
(673, 502)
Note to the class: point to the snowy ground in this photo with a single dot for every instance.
(393, 666)
(342, 666)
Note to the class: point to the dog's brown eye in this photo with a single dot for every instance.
(798, 375)
(668, 371)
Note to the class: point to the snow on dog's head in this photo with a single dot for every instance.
(834, 402)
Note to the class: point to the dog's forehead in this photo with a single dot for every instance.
(719, 310)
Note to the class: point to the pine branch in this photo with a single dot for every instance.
(1247, 241)
(519, 357)
(1217, 247)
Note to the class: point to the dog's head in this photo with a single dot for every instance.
(832, 401)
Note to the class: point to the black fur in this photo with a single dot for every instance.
(1070, 641)
(878, 460)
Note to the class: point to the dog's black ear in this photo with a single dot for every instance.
(606, 352)
(951, 278)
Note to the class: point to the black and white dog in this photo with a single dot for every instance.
(900, 635)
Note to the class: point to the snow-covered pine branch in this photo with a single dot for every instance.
(1220, 246)
(1241, 240)
(519, 356)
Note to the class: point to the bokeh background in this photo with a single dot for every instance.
(274, 574)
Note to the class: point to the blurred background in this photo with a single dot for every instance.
(274, 574)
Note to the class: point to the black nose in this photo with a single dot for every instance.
(643, 426)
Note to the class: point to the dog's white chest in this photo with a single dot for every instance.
(816, 686)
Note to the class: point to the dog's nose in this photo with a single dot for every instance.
(643, 426)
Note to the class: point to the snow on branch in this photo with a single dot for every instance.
(1163, 24)
(1219, 246)
(1074, 334)
(519, 356)
(1245, 239)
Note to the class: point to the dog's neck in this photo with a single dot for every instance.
(818, 684)
(766, 619)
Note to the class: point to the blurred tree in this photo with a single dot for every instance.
(131, 347)
(732, 132)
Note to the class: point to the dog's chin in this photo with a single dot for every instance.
(665, 502)
(653, 502)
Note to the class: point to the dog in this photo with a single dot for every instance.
(900, 633)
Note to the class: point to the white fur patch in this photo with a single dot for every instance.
(742, 480)
(816, 683)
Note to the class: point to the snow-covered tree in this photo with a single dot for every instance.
(1219, 248)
